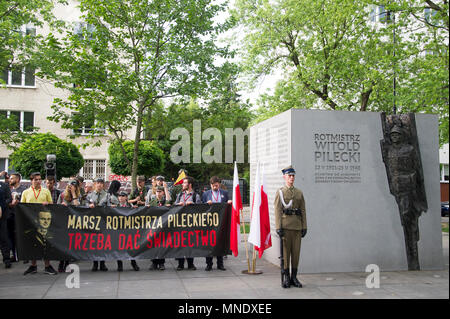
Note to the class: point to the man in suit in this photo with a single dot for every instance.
(215, 195)
(290, 223)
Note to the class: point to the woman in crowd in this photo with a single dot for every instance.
(113, 192)
(71, 196)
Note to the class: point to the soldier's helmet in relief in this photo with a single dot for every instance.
(288, 170)
(396, 129)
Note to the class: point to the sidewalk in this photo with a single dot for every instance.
(231, 283)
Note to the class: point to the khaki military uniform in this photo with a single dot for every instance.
(291, 224)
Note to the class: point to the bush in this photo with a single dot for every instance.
(32, 154)
(150, 158)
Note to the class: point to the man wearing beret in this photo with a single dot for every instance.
(290, 223)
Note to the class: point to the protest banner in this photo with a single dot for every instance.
(58, 232)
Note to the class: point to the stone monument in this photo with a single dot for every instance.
(352, 216)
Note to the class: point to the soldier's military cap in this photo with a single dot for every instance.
(73, 182)
(160, 188)
(141, 178)
(122, 193)
(99, 180)
(288, 170)
(160, 178)
(396, 129)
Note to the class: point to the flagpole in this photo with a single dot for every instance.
(253, 271)
(254, 260)
(246, 245)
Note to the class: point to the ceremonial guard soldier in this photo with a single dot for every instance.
(290, 222)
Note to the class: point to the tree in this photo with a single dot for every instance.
(221, 110)
(326, 48)
(32, 154)
(131, 55)
(18, 22)
(334, 57)
(426, 85)
(150, 158)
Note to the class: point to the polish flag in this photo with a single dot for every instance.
(259, 234)
(235, 232)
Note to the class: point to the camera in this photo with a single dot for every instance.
(50, 165)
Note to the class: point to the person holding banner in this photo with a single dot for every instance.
(123, 200)
(116, 202)
(113, 192)
(290, 223)
(187, 197)
(37, 194)
(137, 198)
(71, 196)
(98, 197)
(215, 195)
(159, 201)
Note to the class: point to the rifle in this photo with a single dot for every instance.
(281, 260)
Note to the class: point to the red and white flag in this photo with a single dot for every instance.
(259, 234)
(235, 231)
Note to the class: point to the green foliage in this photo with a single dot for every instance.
(150, 158)
(224, 109)
(15, 46)
(333, 57)
(10, 135)
(31, 156)
(134, 54)
(424, 76)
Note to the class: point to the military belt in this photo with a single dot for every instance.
(288, 211)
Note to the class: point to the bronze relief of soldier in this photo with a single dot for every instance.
(401, 156)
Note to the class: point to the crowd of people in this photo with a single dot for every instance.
(91, 194)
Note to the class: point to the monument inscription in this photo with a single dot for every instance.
(337, 157)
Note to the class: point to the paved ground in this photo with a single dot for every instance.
(220, 284)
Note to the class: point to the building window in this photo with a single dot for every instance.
(85, 125)
(81, 29)
(379, 14)
(93, 169)
(19, 77)
(444, 172)
(5, 166)
(24, 120)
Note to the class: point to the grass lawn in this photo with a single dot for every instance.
(445, 227)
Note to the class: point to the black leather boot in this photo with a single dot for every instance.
(103, 266)
(294, 280)
(95, 266)
(286, 280)
(119, 265)
(134, 265)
